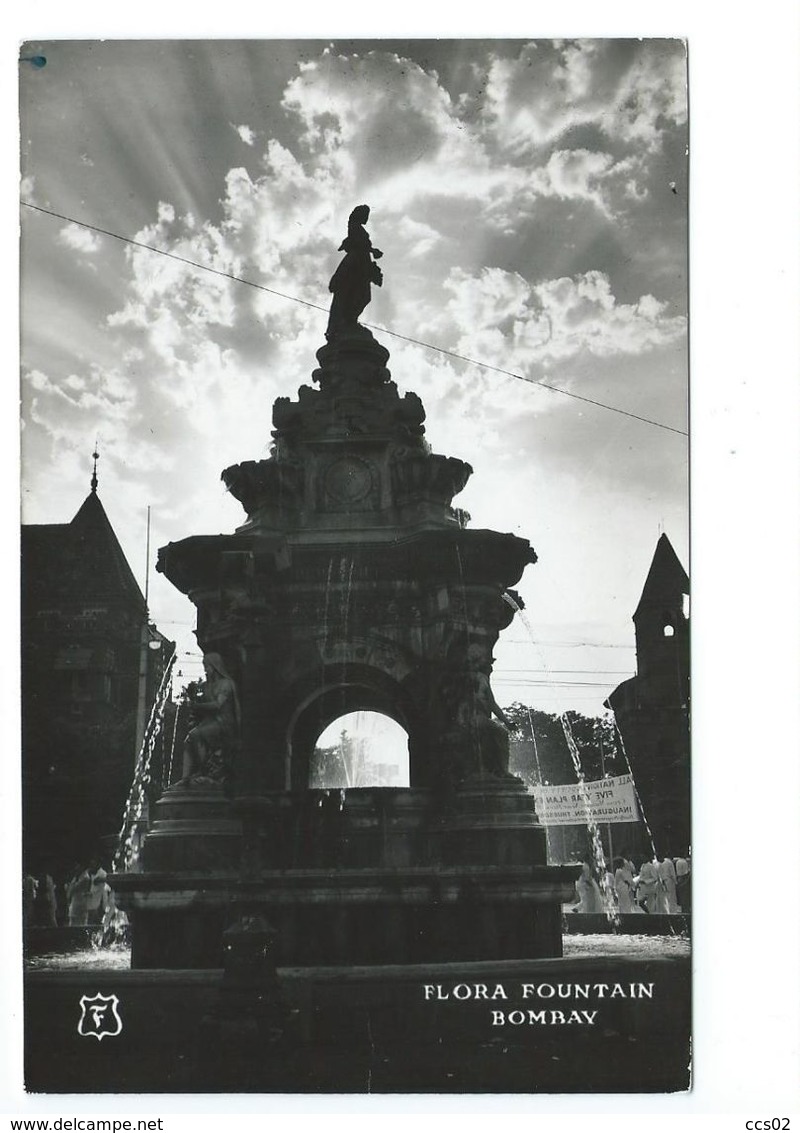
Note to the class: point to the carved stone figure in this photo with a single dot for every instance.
(215, 708)
(350, 283)
(478, 743)
(493, 749)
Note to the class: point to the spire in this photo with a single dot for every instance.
(666, 580)
(95, 458)
(97, 548)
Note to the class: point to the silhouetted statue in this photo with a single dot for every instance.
(215, 709)
(350, 283)
(476, 744)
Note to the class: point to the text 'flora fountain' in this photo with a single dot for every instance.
(352, 585)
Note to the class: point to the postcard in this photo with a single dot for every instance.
(355, 601)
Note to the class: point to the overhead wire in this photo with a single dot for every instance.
(187, 658)
(373, 326)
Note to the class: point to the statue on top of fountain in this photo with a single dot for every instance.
(351, 282)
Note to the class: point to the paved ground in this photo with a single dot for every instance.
(606, 944)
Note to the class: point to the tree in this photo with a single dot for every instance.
(541, 754)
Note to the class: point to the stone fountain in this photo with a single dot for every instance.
(353, 584)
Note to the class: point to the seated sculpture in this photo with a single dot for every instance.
(215, 710)
(351, 282)
(475, 741)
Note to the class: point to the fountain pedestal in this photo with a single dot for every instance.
(352, 585)
(385, 875)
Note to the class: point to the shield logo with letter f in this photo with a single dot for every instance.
(99, 1016)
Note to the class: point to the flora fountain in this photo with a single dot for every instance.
(353, 584)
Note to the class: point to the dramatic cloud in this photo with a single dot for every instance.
(630, 92)
(522, 202)
(498, 317)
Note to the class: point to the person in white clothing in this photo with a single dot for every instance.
(669, 881)
(623, 884)
(590, 899)
(684, 885)
(647, 886)
(98, 895)
(77, 891)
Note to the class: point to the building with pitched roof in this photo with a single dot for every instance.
(652, 708)
(91, 665)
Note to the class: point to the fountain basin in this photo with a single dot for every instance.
(360, 916)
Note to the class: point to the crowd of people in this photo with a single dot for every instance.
(85, 898)
(660, 885)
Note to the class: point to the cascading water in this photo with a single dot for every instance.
(346, 565)
(112, 931)
(575, 756)
(170, 762)
(636, 791)
(655, 859)
(126, 857)
(326, 605)
(609, 899)
(601, 867)
(541, 781)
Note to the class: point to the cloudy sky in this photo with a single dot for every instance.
(531, 202)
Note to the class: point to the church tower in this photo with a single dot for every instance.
(652, 708)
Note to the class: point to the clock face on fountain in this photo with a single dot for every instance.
(348, 481)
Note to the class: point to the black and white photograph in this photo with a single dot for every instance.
(356, 733)
(355, 592)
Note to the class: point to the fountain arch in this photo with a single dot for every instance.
(336, 692)
(361, 749)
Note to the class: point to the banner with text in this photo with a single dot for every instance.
(609, 800)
